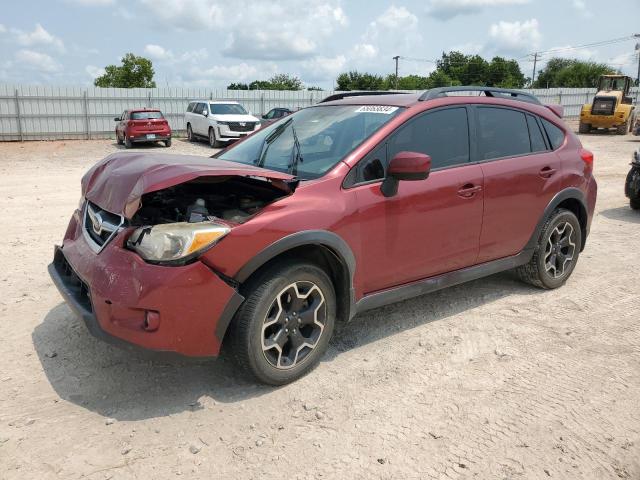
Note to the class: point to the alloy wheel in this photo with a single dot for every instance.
(560, 250)
(293, 325)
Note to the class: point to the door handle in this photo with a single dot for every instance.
(547, 172)
(469, 190)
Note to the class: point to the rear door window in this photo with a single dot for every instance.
(198, 108)
(555, 134)
(502, 133)
(190, 107)
(442, 134)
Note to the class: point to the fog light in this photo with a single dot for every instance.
(151, 321)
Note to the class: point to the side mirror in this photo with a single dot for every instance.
(117, 119)
(264, 116)
(405, 166)
(205, 113)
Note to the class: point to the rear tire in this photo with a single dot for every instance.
(167, 143)
(556, 253)
(189, 133)
(282, 329)
(634, 203)
(584, 127)
(118, 139)
(623, 129)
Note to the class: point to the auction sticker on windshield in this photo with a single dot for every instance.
(386, 109)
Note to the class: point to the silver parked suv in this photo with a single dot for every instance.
(220, 122)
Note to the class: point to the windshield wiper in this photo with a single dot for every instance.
(296, 154)
(268, 140)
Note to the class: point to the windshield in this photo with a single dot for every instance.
(310, 142)
(227, 109)
(145, 115)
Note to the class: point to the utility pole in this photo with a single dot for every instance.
(396, 58)
(535, 61)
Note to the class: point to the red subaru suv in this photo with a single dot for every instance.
(142, 126)
(342, 207)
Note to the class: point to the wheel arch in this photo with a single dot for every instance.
(320, 247)
(571, 199)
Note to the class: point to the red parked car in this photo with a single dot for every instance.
(142, 125)
(339, 208)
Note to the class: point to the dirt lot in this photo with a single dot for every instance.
(488, 380)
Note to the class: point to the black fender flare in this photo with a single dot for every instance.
(331, 241)
(570, 193)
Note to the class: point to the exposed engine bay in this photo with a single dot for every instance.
(233, 199)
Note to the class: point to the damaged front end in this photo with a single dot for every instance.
(179, 223)
(177, 207)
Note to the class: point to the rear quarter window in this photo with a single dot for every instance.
(555, 134)
(190, 107)
(537, 138)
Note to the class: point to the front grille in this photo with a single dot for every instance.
(603, 106)
(242, 126)
(100, 226)
(72, 281)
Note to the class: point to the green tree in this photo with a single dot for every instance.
(135, 72)
(283, 81)
(439, 78)
(566, 72)
(354, 80)
(505, 73)
(238, 86)
(315, 89)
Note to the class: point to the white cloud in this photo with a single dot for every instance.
(157, 52)
(283, 30)
(240, 72)
(37, 61)
(364, 51)
(448, 9)
(581, 7)
(395, 17)
(321, 68)
(469, 48)
(515, 37)
(3, 29)
(94, 72)
(39, 36)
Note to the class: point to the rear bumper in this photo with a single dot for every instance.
(125, 301)
(601, 121)
(142, 137)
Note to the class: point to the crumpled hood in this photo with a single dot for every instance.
(117, 182)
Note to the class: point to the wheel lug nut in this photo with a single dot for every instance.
(299, 321)
(286, 330)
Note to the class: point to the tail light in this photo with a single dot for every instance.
(130, 124)
(587, 157)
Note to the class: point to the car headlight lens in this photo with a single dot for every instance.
(175, 241)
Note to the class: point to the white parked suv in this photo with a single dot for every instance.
(220, 122)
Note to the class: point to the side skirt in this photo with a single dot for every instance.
(432, 284)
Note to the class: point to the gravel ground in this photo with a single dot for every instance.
(489, 380)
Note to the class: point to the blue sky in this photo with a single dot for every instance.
(213, 42)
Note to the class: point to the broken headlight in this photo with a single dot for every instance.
(171, 242)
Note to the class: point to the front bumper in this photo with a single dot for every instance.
(225, 134)
(116, 293)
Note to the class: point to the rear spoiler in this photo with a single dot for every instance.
(555, 108)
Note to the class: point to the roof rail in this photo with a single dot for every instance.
(341, 95)
(488, 92)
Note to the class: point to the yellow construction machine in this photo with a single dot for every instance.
(612, 106)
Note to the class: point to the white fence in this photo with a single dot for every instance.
(58, 112)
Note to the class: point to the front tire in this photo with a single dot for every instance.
(556, 253)
(118, 139)
(167, 143)
(282, 329)
(623, 129)
(127, 142)
(213, 142)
